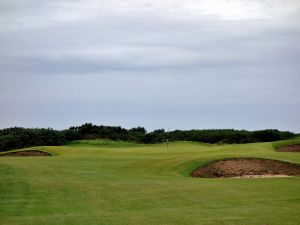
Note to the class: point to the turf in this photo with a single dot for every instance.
(102, 143)
(91, 184)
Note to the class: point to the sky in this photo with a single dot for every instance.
(193, 64)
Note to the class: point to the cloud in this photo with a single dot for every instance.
(176, 61)
(164, 45)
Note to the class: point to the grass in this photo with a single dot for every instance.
(102, 143)
(88, 183)
(279, 144)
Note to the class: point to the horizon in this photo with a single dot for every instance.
(147, 130)
(210, 64)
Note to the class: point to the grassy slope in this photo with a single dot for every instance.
(86, 184)
(102, 143)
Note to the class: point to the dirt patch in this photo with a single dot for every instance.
(247, 167)
(290, 148)
(26, 153)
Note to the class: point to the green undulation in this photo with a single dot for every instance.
(279, 144)
(88, 183)
(103, 143)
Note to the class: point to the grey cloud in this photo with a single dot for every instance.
(146, 64)
(127, 44)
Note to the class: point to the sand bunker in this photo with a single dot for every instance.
(26, 153)
(247, 167)
(290, 148)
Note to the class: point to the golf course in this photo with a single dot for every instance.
(113, 182)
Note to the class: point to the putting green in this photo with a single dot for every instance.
(95, 184)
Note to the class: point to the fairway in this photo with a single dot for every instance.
(129, 184)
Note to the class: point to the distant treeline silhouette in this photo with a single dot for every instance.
(19, 137)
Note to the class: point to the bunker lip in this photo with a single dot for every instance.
(25, 153)
(290, 148)
(262, 176)
(247, 168)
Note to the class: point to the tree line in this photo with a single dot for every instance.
(19, 137)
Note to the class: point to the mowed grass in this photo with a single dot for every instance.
(90, 184)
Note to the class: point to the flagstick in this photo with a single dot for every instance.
(167, 138)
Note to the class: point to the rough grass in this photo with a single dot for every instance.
(92, 184)
(102, 143)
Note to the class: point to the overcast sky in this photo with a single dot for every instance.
(158, 64)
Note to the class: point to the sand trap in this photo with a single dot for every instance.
(290, 148)
(25, 153)
(247, 168)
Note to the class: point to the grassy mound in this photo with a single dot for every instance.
(102, 143)
(280, 144)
